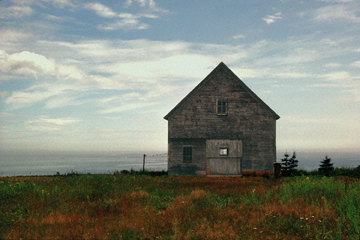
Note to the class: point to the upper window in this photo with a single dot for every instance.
(221, 106)
(187, 154)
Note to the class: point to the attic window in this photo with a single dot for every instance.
(221, 106)
(224, 152)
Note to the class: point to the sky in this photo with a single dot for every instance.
(101, 75)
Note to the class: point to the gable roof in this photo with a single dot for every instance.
(221, 66)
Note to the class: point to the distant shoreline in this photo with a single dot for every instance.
(50, 162)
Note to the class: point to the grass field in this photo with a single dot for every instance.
(86, 206)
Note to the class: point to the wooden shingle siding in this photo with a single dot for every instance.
(176, 154)
(195, 120)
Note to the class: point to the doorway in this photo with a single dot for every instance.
(224, 156)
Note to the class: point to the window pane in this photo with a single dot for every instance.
(224, 151)
(219, 109)
(223, 105)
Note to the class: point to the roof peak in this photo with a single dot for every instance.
(221, 65)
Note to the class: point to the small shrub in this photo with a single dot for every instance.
(124, 172)
(326, 167)
(288, 164)
(356, 172)
(72, 173)
(266, 175)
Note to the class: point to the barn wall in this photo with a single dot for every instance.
(175, 155)
(247, 120)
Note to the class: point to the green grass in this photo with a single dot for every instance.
(141, 206)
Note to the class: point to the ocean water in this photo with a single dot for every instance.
(49, 163)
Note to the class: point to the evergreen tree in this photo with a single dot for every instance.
(288, 164)
(325, 166)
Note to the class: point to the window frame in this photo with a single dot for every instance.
(222, 104)
(187, 154)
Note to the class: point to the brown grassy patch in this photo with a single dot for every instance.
(139, 194)
(196, 194)
(57, 218)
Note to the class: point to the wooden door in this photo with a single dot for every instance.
(224, 156)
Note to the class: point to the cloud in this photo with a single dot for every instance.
(346, 82)
(238, 36)
(142, 3)
(101, 10)
(337, 12)
(177, 66)
(128, 21)
(337, 1)
(356, 64)
(12, 39)
(19, 99)
(56, 18)
(338, 76)
(29, 63)
(128, 107)
(3, 94)
(272, 18)
(119, 99)
(332, 65)
(166, 63)
(156, 69)
(56, 121)
(297, 51)
(124, 50)
(65, 98)
(13, 35)
(58, 3)
(15, 12)
(47, 123)
(125, 24)
(121, 60)
(61, 3)
(53, 93)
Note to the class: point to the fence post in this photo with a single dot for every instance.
(144, 163)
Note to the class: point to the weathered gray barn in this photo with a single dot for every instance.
(221, 128)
